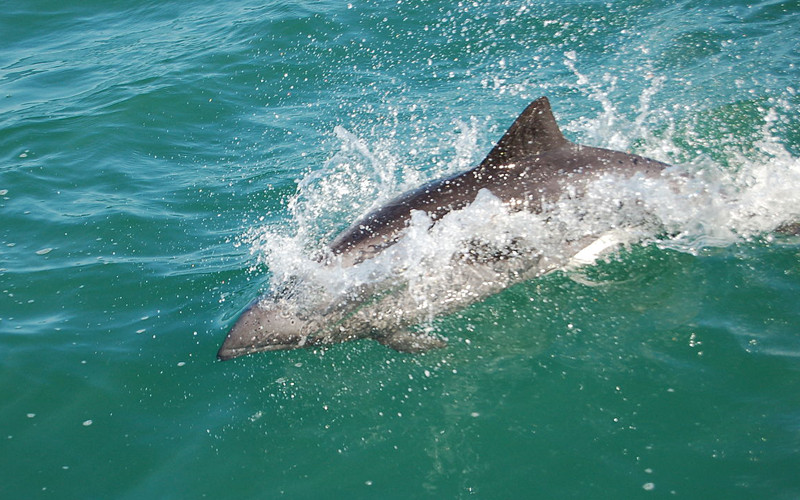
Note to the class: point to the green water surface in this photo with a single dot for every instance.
(140, 140)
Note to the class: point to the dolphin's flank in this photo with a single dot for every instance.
(533, 164)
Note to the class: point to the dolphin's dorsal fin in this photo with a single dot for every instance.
(533, 132)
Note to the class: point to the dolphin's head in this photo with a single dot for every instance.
(263, 326)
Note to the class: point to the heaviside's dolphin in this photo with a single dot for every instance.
(532, 165)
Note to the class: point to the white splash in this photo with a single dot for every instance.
(483, 248)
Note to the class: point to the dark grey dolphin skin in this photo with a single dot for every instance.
(531, 164)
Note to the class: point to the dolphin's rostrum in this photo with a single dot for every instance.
(530, 167)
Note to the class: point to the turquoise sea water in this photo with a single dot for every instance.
(155, 156)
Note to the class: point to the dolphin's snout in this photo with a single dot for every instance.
(262, 327)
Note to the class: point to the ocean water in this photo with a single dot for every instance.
(162, 163)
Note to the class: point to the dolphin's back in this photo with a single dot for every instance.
(535, 130)
(529, 163)
(383, 226)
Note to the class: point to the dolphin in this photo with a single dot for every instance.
(532, 166)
